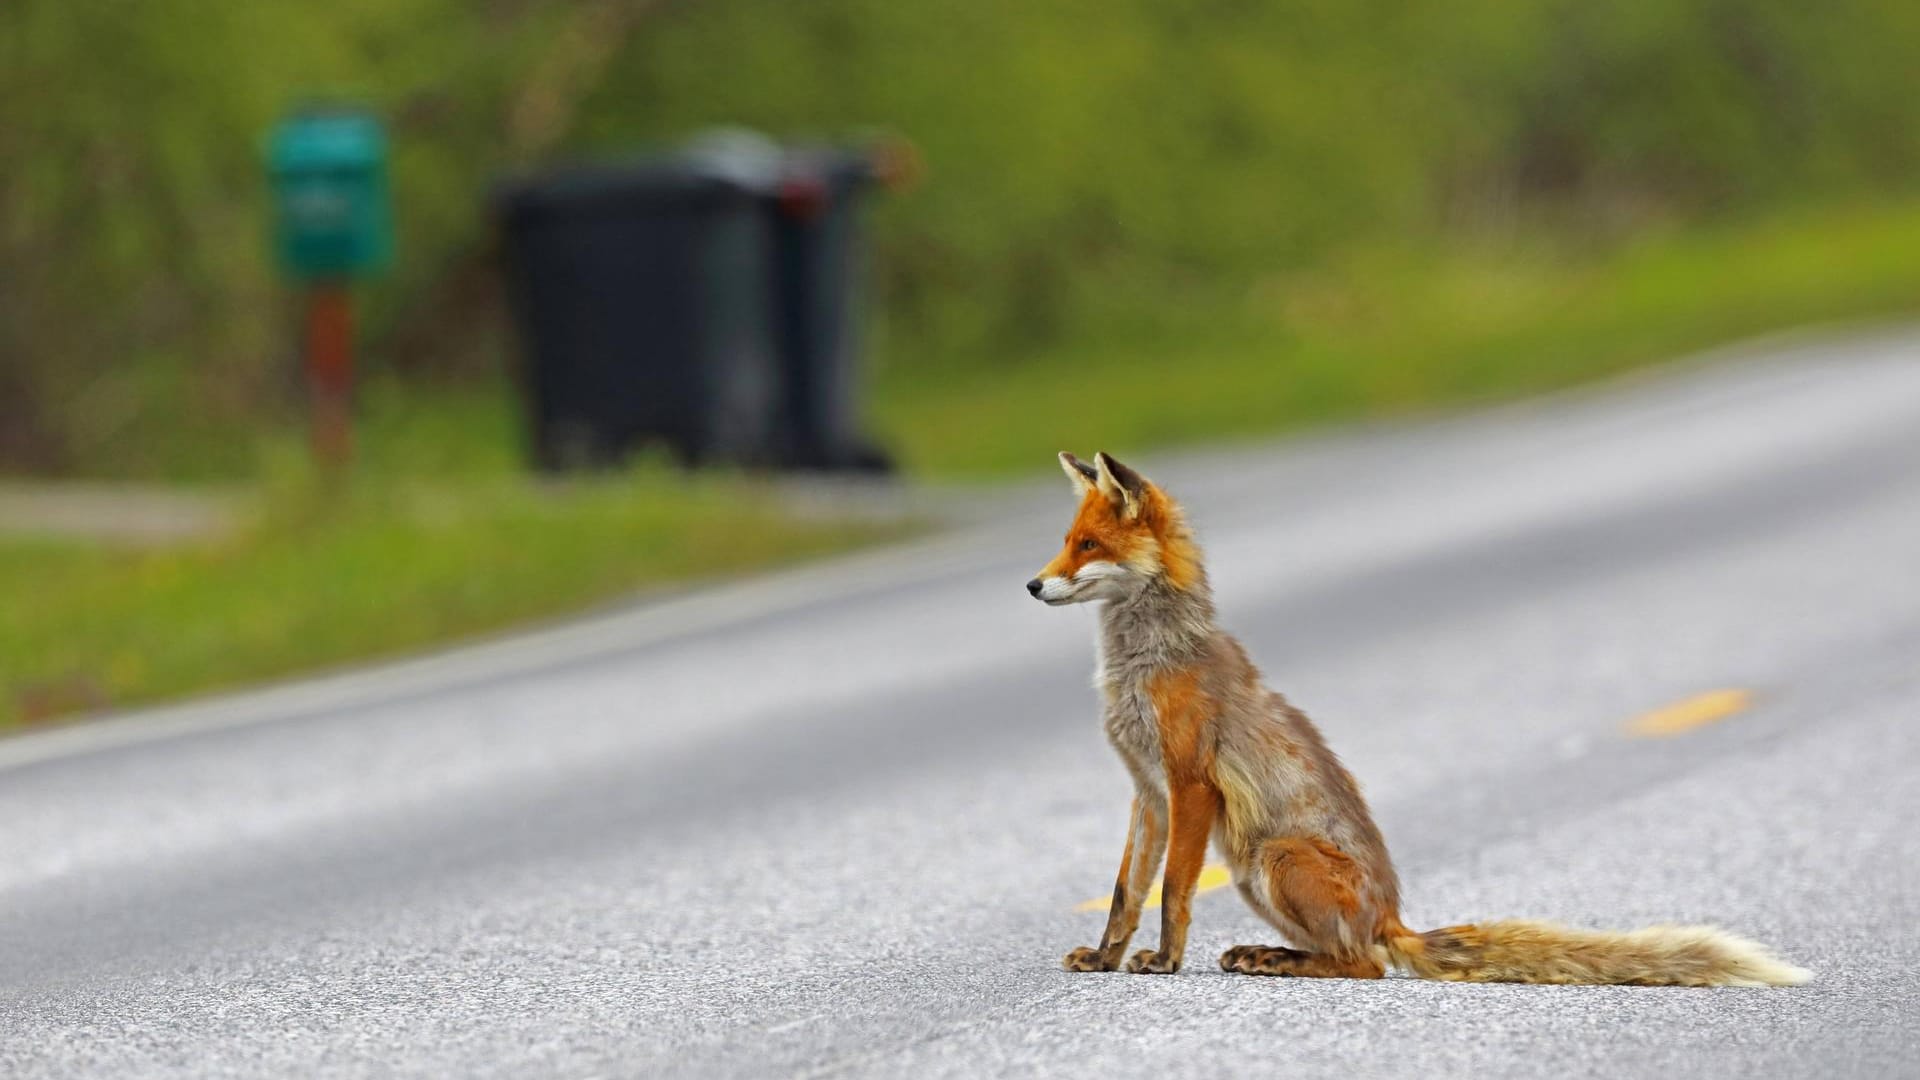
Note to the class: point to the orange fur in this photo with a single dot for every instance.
(1097, 522)
(1181, 709)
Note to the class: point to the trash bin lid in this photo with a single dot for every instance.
(650, 183)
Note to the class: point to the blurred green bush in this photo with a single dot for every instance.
(1098, 170)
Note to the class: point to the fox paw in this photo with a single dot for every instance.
(1148, 962)
(1084, 959)
(1258, 960)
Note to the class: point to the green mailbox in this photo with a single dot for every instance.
(331, 214)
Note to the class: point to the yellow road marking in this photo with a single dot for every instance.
(1696, 711)
(1212, 876)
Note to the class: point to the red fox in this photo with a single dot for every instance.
(1215, 754)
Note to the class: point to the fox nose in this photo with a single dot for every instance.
(1033, 587)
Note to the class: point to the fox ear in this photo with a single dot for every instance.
(1122, 486)
(1083, 475)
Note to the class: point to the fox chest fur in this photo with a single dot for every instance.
(1133, 729)
(1143, 643)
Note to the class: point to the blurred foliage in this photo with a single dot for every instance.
(140, 319)
(1101, 161)
(1101, 172)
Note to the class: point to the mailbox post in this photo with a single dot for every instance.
(332, 224)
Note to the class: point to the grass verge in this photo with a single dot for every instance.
(371, 572)
(1389, 334)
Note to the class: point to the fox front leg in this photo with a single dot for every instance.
(1146, 840)
(1194, 806)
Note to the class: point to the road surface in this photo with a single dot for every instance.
(841, 822)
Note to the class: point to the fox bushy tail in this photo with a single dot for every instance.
(1540, 952)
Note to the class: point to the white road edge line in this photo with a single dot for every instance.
(587, 638)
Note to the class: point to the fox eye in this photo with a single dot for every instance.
(1088, 545)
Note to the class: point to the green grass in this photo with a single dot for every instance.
(1392, 334)
(376, 571)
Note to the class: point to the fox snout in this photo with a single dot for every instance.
(1054, 591)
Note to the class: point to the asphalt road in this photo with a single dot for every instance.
(838, 822)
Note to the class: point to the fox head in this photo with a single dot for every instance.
(1126, 536)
